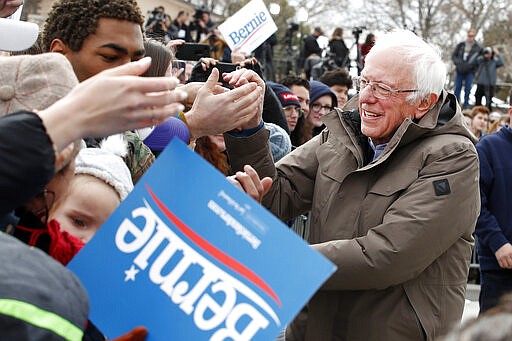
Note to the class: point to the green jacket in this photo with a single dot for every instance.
(139, 157)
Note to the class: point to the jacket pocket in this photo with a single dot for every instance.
(421, 330)
(334, 162)
(383, 194)
(393, 181)
(417, 331)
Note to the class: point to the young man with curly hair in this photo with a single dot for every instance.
(95, 35)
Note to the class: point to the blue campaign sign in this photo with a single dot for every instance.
(191, 257)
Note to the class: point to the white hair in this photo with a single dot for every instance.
(425, 59)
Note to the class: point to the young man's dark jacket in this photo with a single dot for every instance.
(464, 65)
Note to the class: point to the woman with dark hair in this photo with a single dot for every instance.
(338, 48)
(161, 58)
(367, 46)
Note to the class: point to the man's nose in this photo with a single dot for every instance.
(366, 94)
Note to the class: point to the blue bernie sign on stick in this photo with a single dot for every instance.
(191, 257)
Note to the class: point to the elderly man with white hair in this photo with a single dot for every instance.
(392, 186)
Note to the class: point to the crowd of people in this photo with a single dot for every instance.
(388, 184)
(195, 28)
(316, 60)
(471, 59)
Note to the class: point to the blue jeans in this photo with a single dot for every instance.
(468, 82)
(493, 284)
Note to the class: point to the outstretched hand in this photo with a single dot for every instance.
(215, 113)
(240, 78)
(504, 256)
(9, 7)
(249, 182)
(192, 88)
(174, 43)
(113, 101)
(207, 63)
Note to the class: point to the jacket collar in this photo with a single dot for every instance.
(344, 125)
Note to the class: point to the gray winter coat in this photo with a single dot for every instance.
(487, 69)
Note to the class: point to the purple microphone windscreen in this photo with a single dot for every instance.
(162, 134)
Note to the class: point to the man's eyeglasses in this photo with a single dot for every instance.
(379, 90)
(317, 107)
(291, 109)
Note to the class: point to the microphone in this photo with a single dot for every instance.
(162, 134)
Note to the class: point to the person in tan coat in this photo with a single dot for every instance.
(392, 186)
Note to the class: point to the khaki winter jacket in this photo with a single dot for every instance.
(399, 228)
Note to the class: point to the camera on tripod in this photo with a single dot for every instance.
(291, 29)
(357, 30)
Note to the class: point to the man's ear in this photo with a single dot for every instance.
(425, 105)
(59, 46)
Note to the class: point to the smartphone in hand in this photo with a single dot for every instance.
(192, 51)
(224, 68)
